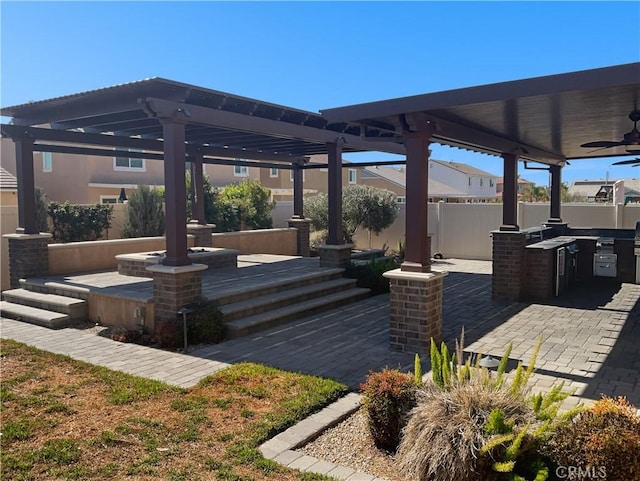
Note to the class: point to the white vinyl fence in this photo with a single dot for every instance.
(464, 230)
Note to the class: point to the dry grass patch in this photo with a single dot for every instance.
(64, 419)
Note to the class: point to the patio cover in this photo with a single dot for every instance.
(543, 119)
(176, 122)
(218, 123)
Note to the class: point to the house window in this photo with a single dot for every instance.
(490, 182)
(47, 162)
(240, 170)
(108, 199)
(481, 182)
(352, 176)
(469, 180)
(129, 163)
(401, 199)
(273, 172)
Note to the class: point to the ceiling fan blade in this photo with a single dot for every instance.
(627, 162)
(602, 143)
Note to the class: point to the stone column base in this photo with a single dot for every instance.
(303, 226)
(415, 308)
(28, 256)
(202, 233)
(174, 287)
(335, 255)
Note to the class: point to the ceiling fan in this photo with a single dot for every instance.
(631, 138)
(632, 162)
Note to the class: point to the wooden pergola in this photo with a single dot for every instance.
(179, 123)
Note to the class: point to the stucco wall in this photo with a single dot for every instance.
(262, 241)
(8, 225)
(76, 257)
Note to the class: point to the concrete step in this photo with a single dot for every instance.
(256, 305)
(76, 309)
(33, 315)
(45, 286)
(265, 320)
(241, 291)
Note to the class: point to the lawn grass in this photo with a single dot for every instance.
(66, 419)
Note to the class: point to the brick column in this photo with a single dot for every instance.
(28, 256)
(201, 232)
(507, 280)
(303, 227)
(539, 282)
(174, 287)
(335, 255)
(415, 308)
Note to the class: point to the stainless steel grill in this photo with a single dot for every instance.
(604, 260)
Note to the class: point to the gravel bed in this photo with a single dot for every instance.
(350, 444)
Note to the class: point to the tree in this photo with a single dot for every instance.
(144, 216)
(363, 206)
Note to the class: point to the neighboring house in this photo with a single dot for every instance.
(523, 185)
(98, 179)
(280, 181)
(8, 188)
(601, 190)
(448, 181)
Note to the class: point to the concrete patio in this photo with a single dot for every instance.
(591, 338)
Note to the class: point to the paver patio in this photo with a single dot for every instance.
(591, 338)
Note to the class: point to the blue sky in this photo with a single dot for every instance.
(315, 55)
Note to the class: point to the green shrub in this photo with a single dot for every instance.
(606, 436)
(205, 325)
(74, 223)
(144, 215)
(388, 396)
(169, 333)
(370, 275)
(243, 205)
(471, 424)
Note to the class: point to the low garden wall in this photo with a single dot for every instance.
(78, 257)
(262, 241)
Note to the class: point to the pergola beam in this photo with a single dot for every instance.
(231, 120)
(51, 135)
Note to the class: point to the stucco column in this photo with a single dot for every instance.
(27, 223)
(556, 196)
(510, 193)
(173, 129)
(417, 250)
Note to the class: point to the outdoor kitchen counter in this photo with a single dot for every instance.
(560, 241)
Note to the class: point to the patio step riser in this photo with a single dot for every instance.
(32, 315)
(306, 280)
(266, 320)
(285, 298)
(52, 288)
(76, 309)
